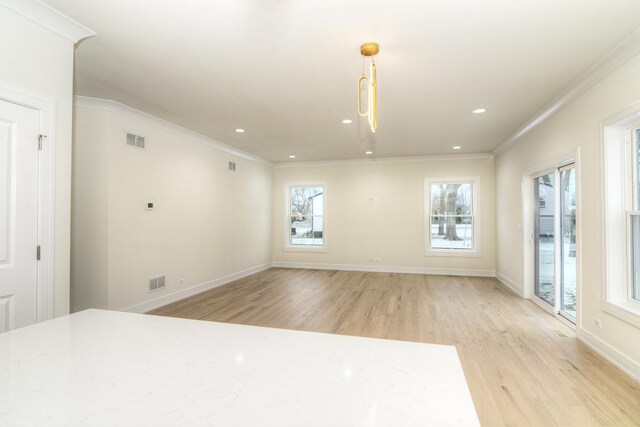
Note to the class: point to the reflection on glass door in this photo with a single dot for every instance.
(544, 237)
(568, 242)
(554, 239)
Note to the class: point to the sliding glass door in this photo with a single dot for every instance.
(544, 237)
(554, 239)
(568, 242)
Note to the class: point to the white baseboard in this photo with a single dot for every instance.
(386, 269)
(513, 286)
(184, 293)
(620, 360)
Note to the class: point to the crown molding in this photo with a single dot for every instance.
(49, 18)
(132, 113)
(381, 160)
(614, 59)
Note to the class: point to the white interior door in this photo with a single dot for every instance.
(19, 132)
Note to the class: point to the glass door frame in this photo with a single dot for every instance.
(535, 209)
(528, 230)
(560, 266)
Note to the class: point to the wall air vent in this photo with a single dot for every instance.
(156, 283)
(232, 166)
(135, 140)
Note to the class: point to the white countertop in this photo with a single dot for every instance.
(103, 368)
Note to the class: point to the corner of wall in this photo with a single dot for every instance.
(510, 284)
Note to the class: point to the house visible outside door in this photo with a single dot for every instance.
(554, 236)
(544, 237)
(568, 252)
(19, 200)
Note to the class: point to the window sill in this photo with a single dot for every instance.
(453, 253)
(628, 311)
(317, 249)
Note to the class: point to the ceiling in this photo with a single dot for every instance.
(286, 70)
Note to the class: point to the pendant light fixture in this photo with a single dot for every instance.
(370, 83)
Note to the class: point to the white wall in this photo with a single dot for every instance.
(575, 126)
(208, 224)
(89, 209)
(39, 63)
(376, 210)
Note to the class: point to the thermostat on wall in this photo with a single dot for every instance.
(150, 206)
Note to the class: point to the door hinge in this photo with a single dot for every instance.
(40, 141)
(38, 253)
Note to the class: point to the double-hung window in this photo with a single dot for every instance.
(621, 148)
(633, 214)
(451, 217)
(305, 225)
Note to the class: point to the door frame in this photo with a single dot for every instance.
(559, 260)
(528, 246)
(46, 182)
(532, 224)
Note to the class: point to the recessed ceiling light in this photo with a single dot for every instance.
(368, 152)
(239, 130)
(456, 147)
(347, 121)
(292, 157)
(479, 111)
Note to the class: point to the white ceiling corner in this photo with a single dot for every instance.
(49, 18)
(141, 116)
(618, 56)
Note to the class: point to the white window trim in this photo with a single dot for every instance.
(287, 246)
(617, 152)
(475, 250)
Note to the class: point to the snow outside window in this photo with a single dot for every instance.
(305, 216)
(451, 217)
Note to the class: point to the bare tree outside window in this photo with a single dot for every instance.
(451, 223)
(306, 207)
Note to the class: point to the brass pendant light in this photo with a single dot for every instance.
(371, 81)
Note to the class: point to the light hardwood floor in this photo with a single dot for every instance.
(523, 366)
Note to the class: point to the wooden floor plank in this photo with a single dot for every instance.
(523, 366)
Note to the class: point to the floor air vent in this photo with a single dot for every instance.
(156, 283)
